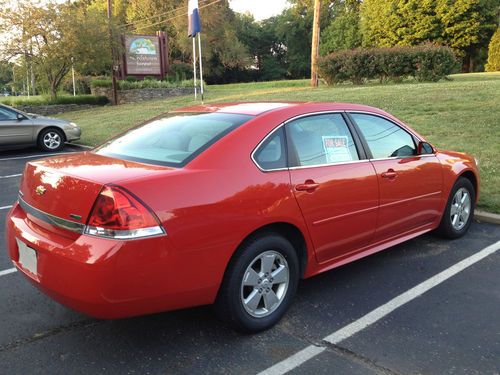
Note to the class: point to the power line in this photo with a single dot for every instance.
(155, 16)
(183, 8)
(177, 16)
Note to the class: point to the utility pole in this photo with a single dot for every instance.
(73, 75)
(113, 61)
(315, 43)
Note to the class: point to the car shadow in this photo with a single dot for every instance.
(21, 151)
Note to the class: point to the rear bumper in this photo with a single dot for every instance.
(106, 278)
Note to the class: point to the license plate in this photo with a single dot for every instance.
(27, 257)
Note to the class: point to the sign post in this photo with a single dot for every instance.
(194, 70)
(194, 29)
(112, 42)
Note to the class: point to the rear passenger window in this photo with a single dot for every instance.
(385, 138)
(271, 154)
(320, 139)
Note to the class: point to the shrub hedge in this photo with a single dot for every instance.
(144, 84)
(424, 63)
(47, 100)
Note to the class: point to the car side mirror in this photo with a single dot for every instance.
(424, 148)
(20, 117)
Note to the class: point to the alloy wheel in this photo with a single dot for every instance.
(52, 140)
(264, 284)
(460, 209)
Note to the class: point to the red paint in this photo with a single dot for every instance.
(210, 206)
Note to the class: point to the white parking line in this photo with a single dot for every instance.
(375, 315)
(37, 155)
(6, 272)
(5, 207)
(11, 175)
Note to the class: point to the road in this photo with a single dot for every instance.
(453, 328)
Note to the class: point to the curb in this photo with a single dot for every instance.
(82, 146)
(487, 217)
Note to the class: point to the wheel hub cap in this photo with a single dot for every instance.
(264, 284)
(460, 209)
(52, 140)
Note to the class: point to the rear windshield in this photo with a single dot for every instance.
(173, 140)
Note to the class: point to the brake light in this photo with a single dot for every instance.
(118, 214)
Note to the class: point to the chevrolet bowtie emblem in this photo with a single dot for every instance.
(40, 190)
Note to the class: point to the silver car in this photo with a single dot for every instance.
(49, 134)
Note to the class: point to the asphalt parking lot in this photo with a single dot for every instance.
(452, 328)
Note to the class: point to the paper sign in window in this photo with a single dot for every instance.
(336, 149)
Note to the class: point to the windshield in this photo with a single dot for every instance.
(173, 140)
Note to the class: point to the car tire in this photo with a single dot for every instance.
(51, 140)
(250, 298)
(459, 210)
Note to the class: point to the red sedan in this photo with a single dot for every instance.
(231, 204)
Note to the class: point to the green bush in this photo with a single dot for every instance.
(493, 64)
(424, 63)
(434, 63)
(82, 84)
(145, 84)
(47, 100)
(180, 71)
(105, 82)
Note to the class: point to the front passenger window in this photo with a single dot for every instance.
(5, 115)
(385, 139)
(321, 140)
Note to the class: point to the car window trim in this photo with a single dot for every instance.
(264, 140)
(359, 148)
(413, 136)
(363, 157)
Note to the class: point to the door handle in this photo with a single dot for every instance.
(390, 174)
(308, 185)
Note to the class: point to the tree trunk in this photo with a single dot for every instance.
(53, 91)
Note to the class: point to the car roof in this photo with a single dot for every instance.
(258, 108)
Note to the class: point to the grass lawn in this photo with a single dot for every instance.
(462, 114)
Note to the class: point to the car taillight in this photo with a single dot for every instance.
(118, 214)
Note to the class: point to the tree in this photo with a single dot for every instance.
(5, 74)
(294, 30)
(48, 36)
(266, 50)
(464, 25)
(386, 23)
(343, 32)
(493, 64)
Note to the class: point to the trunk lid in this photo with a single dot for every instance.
(67, 186)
